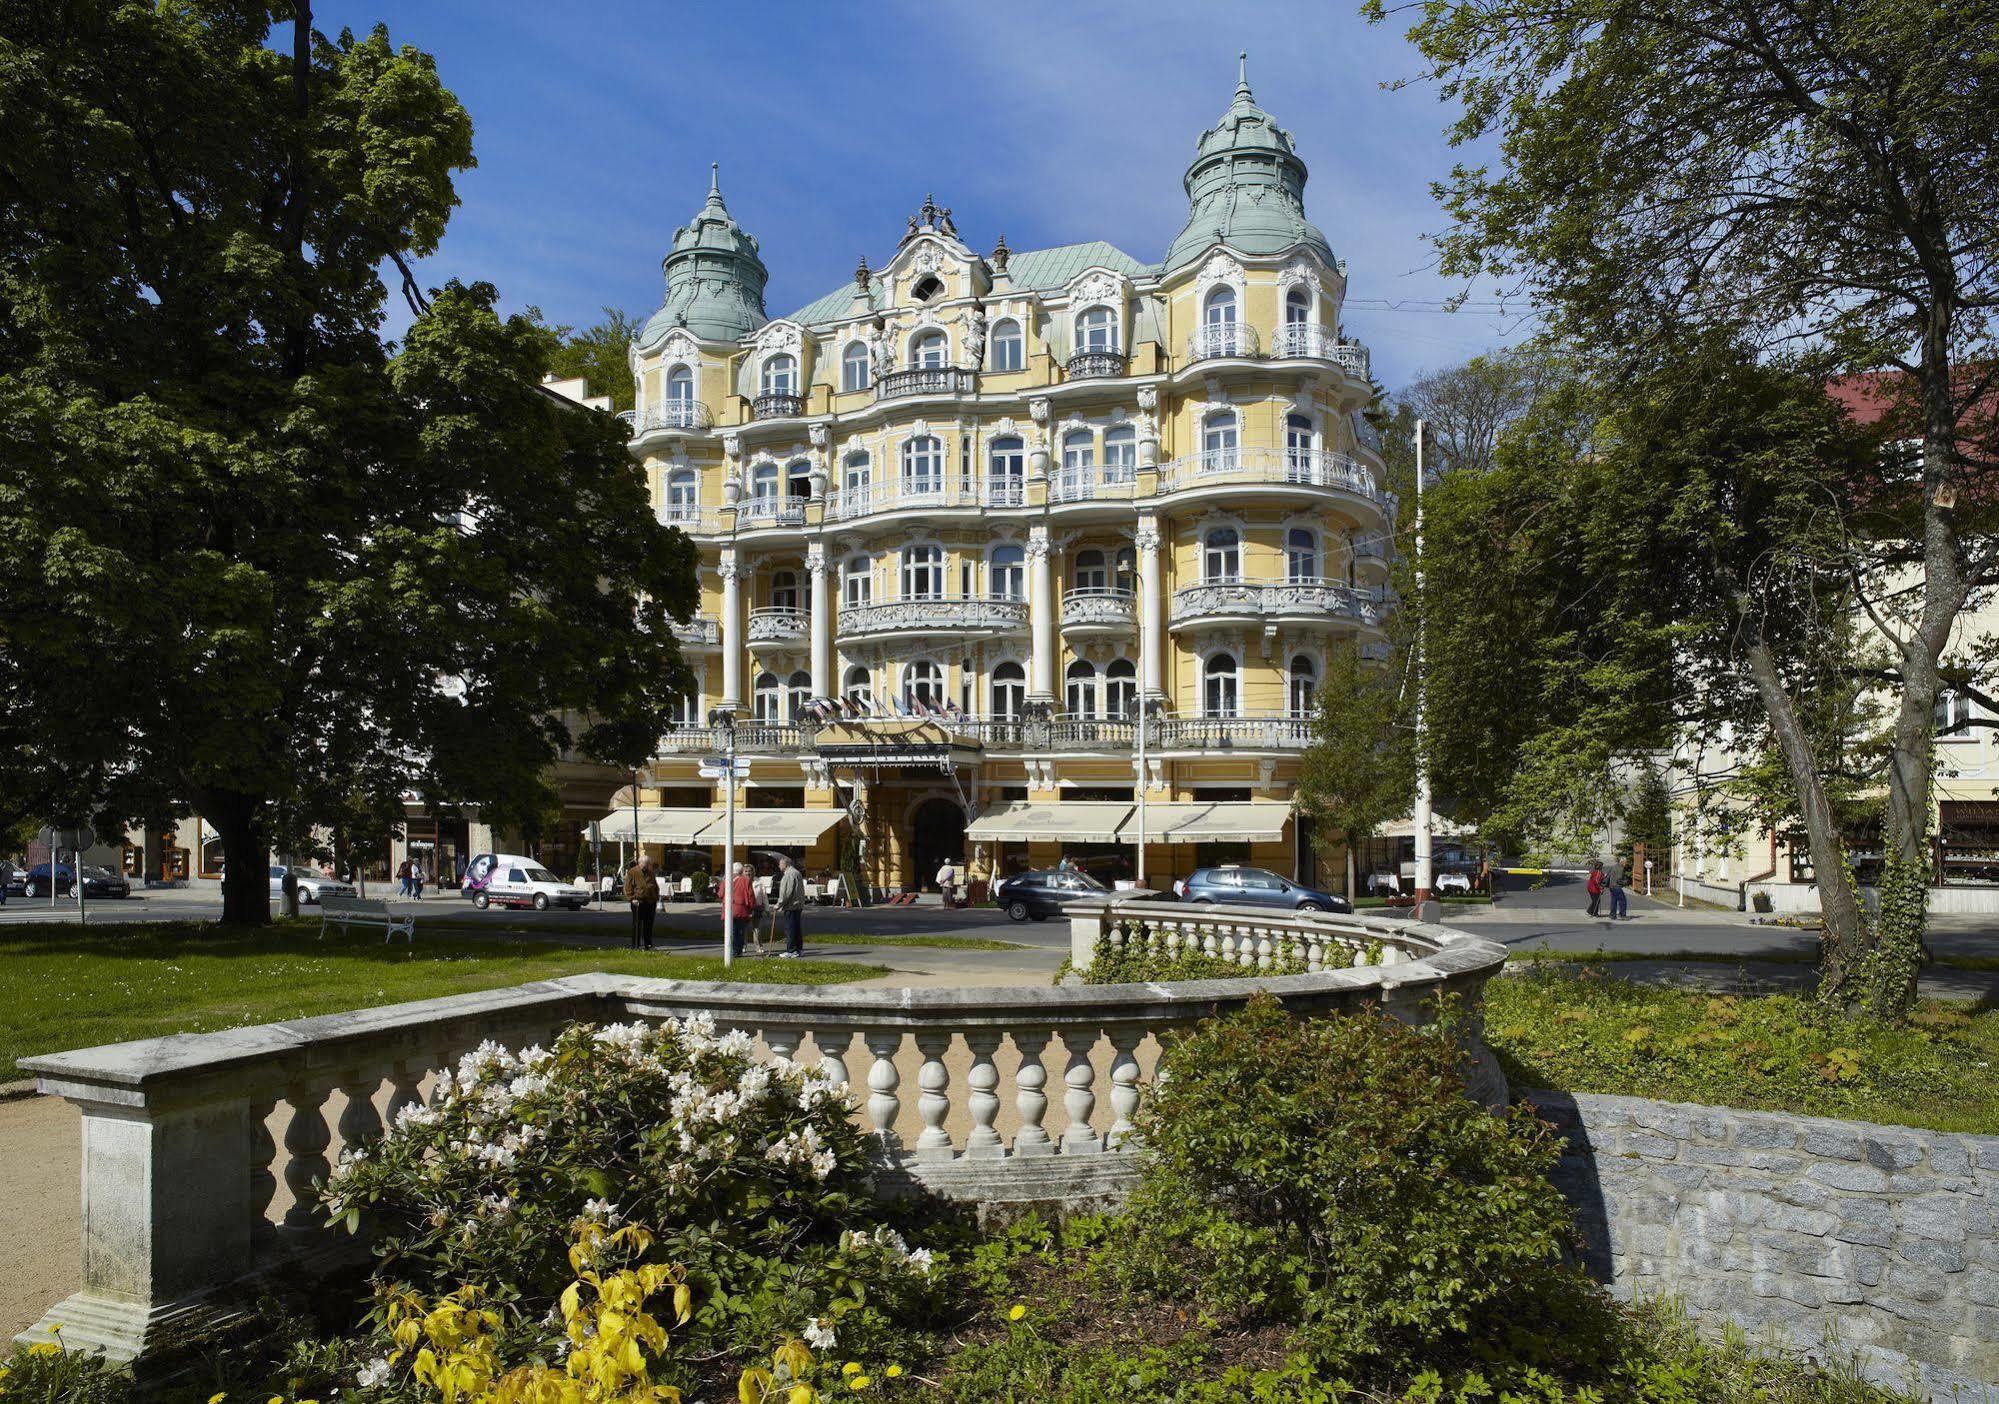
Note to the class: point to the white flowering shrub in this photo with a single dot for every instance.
(749, 1176)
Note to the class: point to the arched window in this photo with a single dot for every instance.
(680, 386)
(1096, 330)
(855, 479)
(781, 374)
(859, 687)
(923, 572)
(1079, 452)
(1009, 351)
(764, 697)
(1220, 310)
(1297, 447)
(1120, 454)
(1121, 689)
(923, 466)
(1301, 555)
(1007, 574)
(1124, 573)
(1304, 683)
(682, 495)
(1219, 441)
(798, 477)
(1009, 690)
(922, 685)
(1297, 307)
(1218, 693)
(784, 589)
(1006, 468)
(857, 582)
(930, 350)
(854, 366)
(1091, 571)
(763, 486)
(1082, 689)
(1221, 556)
(797, 693)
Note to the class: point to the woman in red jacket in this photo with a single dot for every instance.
(742, 905)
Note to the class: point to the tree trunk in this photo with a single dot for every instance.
(246, 855)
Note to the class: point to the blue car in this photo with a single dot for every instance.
(1259, 887)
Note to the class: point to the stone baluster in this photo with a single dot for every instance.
(360, 1124)
(263, 1151)
(782, 1042)
(1124, 1083)
(405, 1088)
(984, 1143)
(1211, 944)
(832, 1045)
(883, 1079)
(1173, 941)
(1227, 943)
(1029, 1098)
(1079, 1097)
(1315, 955)
(933, 1103)
(1264, 952)
(306, 1139)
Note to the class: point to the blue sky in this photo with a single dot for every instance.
(1051, 122)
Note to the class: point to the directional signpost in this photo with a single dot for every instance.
(731, 772)
(76, 840)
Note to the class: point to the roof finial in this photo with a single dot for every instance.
(1242, 74)
(714, 182)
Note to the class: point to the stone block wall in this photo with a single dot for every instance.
(1875, 1243)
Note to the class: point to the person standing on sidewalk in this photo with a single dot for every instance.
(288, 886)
(790, 900)
(742, 900)
(1620, 905)
(642, 891)
(1594, 886)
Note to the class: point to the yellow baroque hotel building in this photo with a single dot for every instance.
(991, 540)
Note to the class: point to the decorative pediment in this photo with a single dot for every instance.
(1220, 268)
(1299, 271)
(1097, 285)
(680, 345)
(780, 336)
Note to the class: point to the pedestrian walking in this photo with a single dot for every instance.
(1620, 904)
(1594, 886)
(790, 905)
(642, 891)
(947, 881)
(416, 882)
(403, 878)
(742, 899)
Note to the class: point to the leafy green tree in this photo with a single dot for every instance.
(249, 560)
(1360, 771)
(600, 354)
(1815, 173)
(1465, 408)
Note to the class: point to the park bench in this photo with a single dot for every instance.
(365, 911)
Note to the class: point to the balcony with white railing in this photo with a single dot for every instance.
(685, 515)
(1285, 467)
(673, 416)
(779, 624)
(1305, 342)
(1222, 340)
(1097, 482)
(926, 380)
(1099, 609)
(777, 405)
(1303, 601)
(770, 509)
(940, 615)
(702, 631)
(1206, 735)
(1095, 365)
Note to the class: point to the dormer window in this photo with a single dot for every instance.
(780, 375)
(1096, 330)
(928, 288)
(930, 351)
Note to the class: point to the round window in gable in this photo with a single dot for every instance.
(928, 288)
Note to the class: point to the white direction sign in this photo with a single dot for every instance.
(720, 770)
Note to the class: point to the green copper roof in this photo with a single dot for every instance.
(1245, 187)
(714, 278)
(1032, 270)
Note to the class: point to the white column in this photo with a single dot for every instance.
(822, 623)
(732, 633)
(1151, 608)
(1041, 608)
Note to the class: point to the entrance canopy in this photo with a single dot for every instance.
(677, 826)
(1252, 821)
(922, 743)
(775, 828)
(1088, 821)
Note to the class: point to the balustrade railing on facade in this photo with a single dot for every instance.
(674, 414)
(1099, 606)
(1308, 598)
(1296, 340)
(1097, 482)
(993, 614)
(1095, 365)
(777, 406)
(1256, 733)
(1220, 467)
(770, 509)
(1222, 339)
(927, 380)
(702, 631)
(778, 624)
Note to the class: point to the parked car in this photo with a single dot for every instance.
(14, 880)
(312, 884)
(513, 881)
(1041, 895)
(38, 880)
(102, 882)
(97, 882)
(1259, 887)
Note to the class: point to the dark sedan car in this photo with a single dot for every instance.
(1041, 895)
(97, 882)
(1261, 888)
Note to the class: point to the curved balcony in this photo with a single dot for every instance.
(1099, 609)
(937, 616)
(779, 624)
(775, 406)
(1307, 601)
(673, 416)
(1222, 340)
(1098, 482)
(925, 380)
(900, 494)
(1095, 365)
(1224, 467)
(701, 631)
(1209, 734)
(1303, 341)
(685, 515)
(770, 509)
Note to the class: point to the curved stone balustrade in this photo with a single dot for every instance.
(1108, 608)
(1209, 734)
(777, 406)
(926, 380)
(770, 509)
(164, 1115)
(979, 615)
(778, 625)
(671, 415)
(1297, 467)
(1094, 365)
(702, 631)
(1302, 600)
(1223, 339)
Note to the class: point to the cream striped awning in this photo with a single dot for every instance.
(1086, 821)
(1191, 821)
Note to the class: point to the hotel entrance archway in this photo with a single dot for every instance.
(936, 833)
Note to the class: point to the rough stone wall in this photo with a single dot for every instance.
(1871, 1243)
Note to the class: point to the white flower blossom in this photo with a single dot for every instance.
(375, 1373)
(922, 1261)
(818, 1333)
(602, 1209)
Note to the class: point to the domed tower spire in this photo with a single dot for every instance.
(1245, 186)
(714, 276)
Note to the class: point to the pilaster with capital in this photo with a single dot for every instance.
(822, 622)
(732, 632)
(1151, 606)
(1042, 607)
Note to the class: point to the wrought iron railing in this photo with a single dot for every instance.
(674, 414)
(777, 406)
(927, 380)
(1219, 339)
(774, 508)
(1301, 467)
(1303, 341)
(1095, 365)
(1094, 482)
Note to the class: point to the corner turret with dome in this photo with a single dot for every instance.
(1246, 187)
(714, 276)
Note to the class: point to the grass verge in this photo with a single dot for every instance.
(1603, 957)
(74, 987)
(1591, 1032)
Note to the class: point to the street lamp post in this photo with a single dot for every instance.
(1146, 708)
(726, 720)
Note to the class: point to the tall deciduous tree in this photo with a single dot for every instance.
(1360, 771)
(1817, 172)
(601, 355)
(249, 560)
(1465, 408)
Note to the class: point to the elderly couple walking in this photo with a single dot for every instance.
(642, 891)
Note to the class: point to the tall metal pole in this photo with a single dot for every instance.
(1144, 706)
(729, 845)
(1422, 816)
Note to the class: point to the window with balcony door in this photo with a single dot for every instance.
(1091, 571)
(687, 709)
(797, 692)
(780, 375)
(1120, 454)
(1297, 444)
(1221, 556)
(922, 685)
(679, 387)
(859, 688)
(1079, 456)
(784, 590)
(923, 573)
(1121, 689)
(764, 698)
(1096, 330)
(854, 367)
(930, 351)
(1302, 686)
(1301, 555)
(923, 466)
(1009, 690)
(1218, 690)
(1081, 690)
(855, 477)
(1009, 349)
(1221, 308)
(1006, 468)
(798, 478)
(857, 582)
(763, 485)
(1219, 441)
(1297, 308)
(682, 495)
(1008, 573)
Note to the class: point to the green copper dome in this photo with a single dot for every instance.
(1245, 188)
(714, 279)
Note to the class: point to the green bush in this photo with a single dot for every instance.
(48, 1374)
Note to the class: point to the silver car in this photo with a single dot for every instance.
(312, 884)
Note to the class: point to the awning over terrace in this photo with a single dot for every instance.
(1086, 821)
(1180, 821)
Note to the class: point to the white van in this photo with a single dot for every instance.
(511, 880)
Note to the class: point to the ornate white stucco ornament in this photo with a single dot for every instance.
(680, 346)
(1038, 409)
(732, 445)
(1148, 398)
(1299, 271)
(975, 337)
(815, 558)
(779, 336)
(1146, 536)
(817, 433)
(1097, 286)
(1005, 427)
(1220, 268)
(929, 258)
(881, 343)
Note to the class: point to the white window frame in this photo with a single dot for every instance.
(930, 349)
(1221, 691)
(922, 571)
(1221, 556)
(1079, 689)
(857, 582)
(1006, 571)
(850, 383)
(919, 453)
(780, 374)
(1097, 329)
(1009, 346)
(1312, 557)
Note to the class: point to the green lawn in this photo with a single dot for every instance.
(72, 987)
